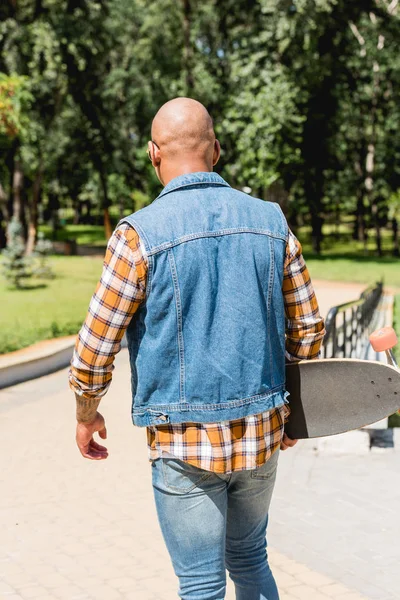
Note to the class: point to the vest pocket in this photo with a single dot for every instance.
(182, 477)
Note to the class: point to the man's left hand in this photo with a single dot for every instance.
(287, 442)
(88, 447)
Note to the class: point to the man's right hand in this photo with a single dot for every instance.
(88, 447)
(287, 442)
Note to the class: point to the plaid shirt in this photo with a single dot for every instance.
(223, 447)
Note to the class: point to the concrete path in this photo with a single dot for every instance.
(333, 293)
(75, 529)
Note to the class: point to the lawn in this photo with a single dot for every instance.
(92, 235)
(396, 324)
(57, 307)
(358, 269)
(50, 308)
(394, 420)
(342, 258)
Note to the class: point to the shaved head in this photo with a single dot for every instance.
(183, 126)
(182, 140)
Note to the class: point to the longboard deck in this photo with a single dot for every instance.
(331, 396)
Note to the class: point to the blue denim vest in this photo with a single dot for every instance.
(208, 343)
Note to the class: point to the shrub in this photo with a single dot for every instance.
(43, 248)
(15, 265)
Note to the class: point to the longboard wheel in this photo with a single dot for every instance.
(383, 339)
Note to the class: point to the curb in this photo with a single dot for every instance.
(38, 360)
(32, 369)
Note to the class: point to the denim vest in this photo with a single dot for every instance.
(208, 343)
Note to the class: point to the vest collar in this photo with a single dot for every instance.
(193, 179)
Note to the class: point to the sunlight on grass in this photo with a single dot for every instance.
(58, 309)
(60, 306)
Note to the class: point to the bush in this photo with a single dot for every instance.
(15, 265)
(42, 268)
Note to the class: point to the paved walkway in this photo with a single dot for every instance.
(74, 529)
(333, 293)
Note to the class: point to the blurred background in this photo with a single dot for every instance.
(305, 97)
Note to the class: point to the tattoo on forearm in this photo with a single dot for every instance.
(86, 408)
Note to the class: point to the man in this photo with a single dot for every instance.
(202, 281)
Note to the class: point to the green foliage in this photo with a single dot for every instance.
(92, 235)
(299, 91)
(50, 308)
(394, 420)
(43, 249)
(15, 99)
(396, 325)
(16, 267)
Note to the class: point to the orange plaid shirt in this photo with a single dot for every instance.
(224, 447)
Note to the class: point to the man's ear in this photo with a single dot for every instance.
(157, 155)
(154, 153)
(217, 152)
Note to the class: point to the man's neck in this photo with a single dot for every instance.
(170, 172)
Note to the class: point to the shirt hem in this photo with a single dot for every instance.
(163, 415)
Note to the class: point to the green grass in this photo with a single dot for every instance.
(343, 259)
(50, 308)
(396, 324)
(355, 269)
(55, 308)
(394, 420)
(92, 235)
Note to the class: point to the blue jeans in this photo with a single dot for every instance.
(215, 522)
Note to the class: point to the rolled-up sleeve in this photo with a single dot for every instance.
(117, 297)
(305, 328)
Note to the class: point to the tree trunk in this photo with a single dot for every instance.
(359, 223)
(187, 47)
(3, 219)
(337, 222)
(77, 210)
(377, 225)
(395, 230)
(378, 239)
(107, 223)
(106, 206)
(33, 212)
(53, 209)
(88, 214)
(3, 237)
(316, 235)
(18, 208)
(368, 187)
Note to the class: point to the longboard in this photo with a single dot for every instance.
(331, 396)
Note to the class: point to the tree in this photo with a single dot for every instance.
(15, 265)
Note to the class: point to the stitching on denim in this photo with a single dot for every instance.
(139, 230)
(184, 490)
(173, 407)
(193, 184)
(150, 261)
(204, 234)
(181, 349)
(270, 288)
(257, 474)
(282, 217)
